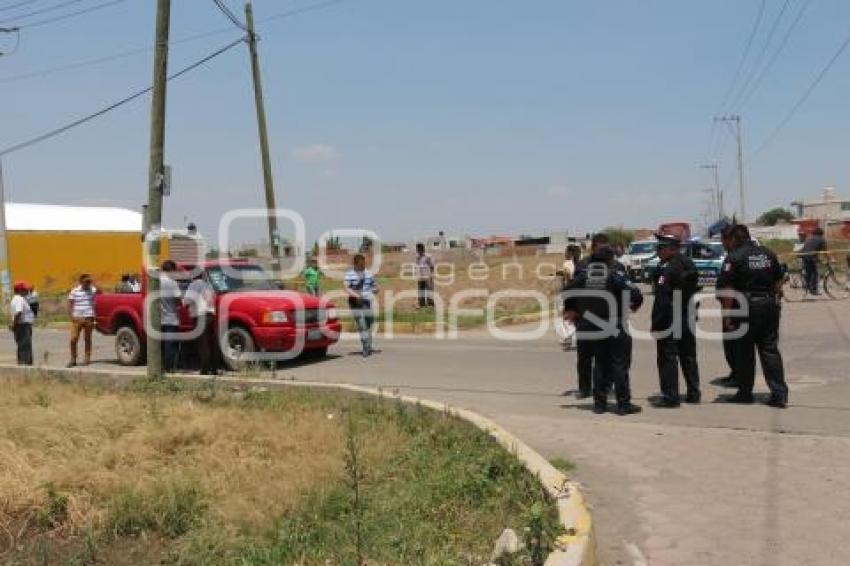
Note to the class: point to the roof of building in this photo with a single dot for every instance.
(24, 217)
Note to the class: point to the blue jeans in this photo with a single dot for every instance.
(364, 319)
(170, 348)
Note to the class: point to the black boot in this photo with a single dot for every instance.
(627, 408)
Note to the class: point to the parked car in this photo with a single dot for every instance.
(707, 256)
(260, 315)
(637, 254)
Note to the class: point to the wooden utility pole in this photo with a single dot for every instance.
(742, 207)
(268, 181)
(156, 176)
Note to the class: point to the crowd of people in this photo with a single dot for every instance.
(749, 289)
(594, 320)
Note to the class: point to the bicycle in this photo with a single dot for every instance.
(834, 285)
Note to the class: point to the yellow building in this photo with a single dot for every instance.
(50, 246)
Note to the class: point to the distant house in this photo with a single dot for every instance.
(394, 247)
(442, 242)
(828, 207)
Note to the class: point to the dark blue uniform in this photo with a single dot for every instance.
(728, 341)
(675, 283)
(584, 349)
(754, 271)
(601, 325)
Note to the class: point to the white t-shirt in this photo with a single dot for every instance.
(199, 298)
(21, 306)
(569, 269)
(169, 300)
(83, 301)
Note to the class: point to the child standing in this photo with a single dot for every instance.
(312, 276)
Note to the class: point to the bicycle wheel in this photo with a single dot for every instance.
(794, 290)
(835, 286)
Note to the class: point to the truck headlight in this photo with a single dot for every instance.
(275, 317)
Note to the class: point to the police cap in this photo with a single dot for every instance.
(668, 240)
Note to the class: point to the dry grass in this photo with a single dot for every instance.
(90, 446)
(463, 270)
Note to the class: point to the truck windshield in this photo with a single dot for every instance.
(642, 248)
(241, 278)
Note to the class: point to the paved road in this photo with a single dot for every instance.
(711, 484)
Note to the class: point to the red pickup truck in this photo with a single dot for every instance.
(261, 317)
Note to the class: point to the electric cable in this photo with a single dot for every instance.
(62, 129)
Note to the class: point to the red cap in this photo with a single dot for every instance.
(22, 286)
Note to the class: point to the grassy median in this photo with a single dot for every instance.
(163, 474)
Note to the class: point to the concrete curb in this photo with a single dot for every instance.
(575, 548)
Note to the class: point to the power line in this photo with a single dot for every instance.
(746, 53)
(229, 14)
(766, 69)
(296, 11)
(804, 97)
(69, 15)
(55, 132)
(107, 58)
(17, 44)
(138, 51)
(14, 5)
(43, 10)
(760, 57)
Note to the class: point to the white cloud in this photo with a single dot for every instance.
(315, 153)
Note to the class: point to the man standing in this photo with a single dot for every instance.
(360, 287)
(601, 323)
(81, 308)
(22, 318)
(675, 282)
(200, 302)
(584, 348)
(755, 273)
(312, 276)
(811, 254)
(169, 301)
(424, 277)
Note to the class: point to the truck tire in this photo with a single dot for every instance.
(237, 340)
(316, 353)
(128, 347)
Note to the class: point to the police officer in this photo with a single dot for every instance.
(584, 348)
(675, 282)
(600, 321)
(755, 273)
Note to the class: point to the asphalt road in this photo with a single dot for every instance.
(712, 484)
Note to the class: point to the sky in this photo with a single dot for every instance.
(408, 117)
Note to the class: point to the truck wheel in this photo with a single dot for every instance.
(237, 341)
(316, 353)
(128, 347)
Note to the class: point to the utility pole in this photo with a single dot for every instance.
(742, 208)
(5, 286)
(268, 181)
(718, 194)
(156, 176)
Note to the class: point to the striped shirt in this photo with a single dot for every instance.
(362, 282)
(82, 301)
